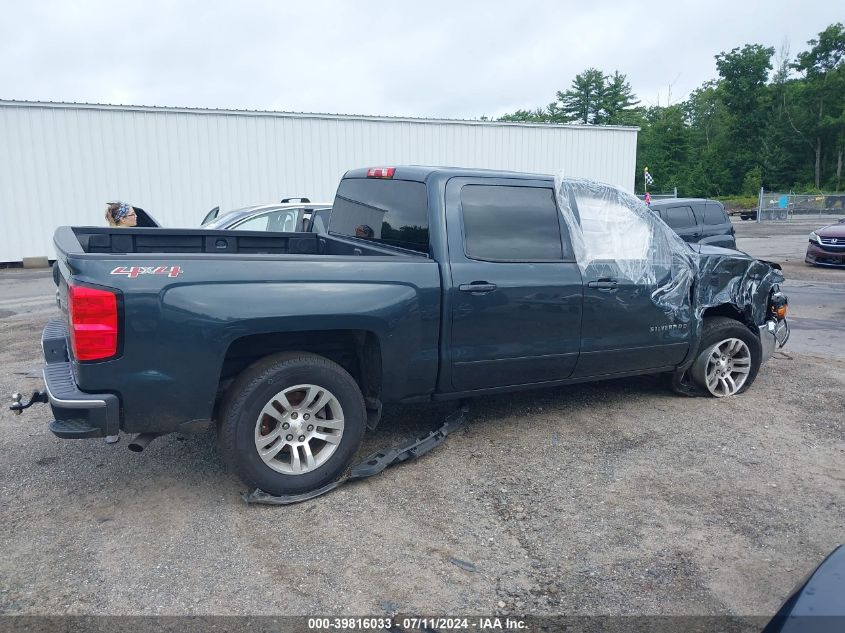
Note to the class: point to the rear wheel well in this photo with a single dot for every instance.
(357, 351)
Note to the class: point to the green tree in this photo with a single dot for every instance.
(594, 98)
(743, 73)
(824, 96)
(707, 118)
(663, 146)
(537, 115)
(735, 133)
(617, 106)
(706, 115)
(583, 101)
(777, 156)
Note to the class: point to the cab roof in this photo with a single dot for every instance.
(423, 173)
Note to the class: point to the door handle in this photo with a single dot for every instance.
(603, 284)
(479, 287)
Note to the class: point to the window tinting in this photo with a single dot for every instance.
(510, 223)
(713, 214)
(678, 217)
(393, 212)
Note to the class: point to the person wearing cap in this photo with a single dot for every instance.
(121, 214)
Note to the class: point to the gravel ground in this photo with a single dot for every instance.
(609, 498)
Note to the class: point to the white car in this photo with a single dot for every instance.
(286, 216)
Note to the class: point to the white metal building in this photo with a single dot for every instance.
(61, 162)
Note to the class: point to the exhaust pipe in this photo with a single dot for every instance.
(141, 441)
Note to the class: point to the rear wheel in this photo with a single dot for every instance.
(291, 423)
(728, 359)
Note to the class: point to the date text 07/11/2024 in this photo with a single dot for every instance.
(421, 623)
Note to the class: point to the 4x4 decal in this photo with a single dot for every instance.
(133, 271)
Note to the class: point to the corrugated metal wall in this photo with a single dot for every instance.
(60, 163)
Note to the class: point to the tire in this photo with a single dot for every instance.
(740, 356)
(276, 391)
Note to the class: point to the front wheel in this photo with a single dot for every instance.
(728, 359)
(291, 423)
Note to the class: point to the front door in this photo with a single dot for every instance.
(636, 306)
(515, 296)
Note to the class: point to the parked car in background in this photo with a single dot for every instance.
(827, 245)
(282, 217)
(697, 220)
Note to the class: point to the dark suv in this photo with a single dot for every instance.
(697, 220)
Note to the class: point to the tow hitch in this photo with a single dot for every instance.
(374, 464)
(37, 396)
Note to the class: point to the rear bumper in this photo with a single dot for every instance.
(77, 414)
(773, 335)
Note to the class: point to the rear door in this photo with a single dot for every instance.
(682, 220)
(515, 295)
(717, 228)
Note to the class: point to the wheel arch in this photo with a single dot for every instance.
(730, 311)
(358, 351)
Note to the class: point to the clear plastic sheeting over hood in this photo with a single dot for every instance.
(614, 234)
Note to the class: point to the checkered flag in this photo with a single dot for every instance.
(648, 179)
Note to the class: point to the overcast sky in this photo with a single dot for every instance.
(427, 58)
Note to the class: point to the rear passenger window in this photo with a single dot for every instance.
(510, 223)
(678, 217)
(714, 214)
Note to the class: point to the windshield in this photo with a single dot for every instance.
(224, 220)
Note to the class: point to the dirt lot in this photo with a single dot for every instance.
(610, 498)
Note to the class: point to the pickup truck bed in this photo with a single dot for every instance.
(185, 241)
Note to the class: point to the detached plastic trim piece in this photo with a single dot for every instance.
(372, 465)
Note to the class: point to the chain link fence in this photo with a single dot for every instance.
(659, 196)
(783, 206)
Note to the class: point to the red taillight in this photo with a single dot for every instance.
(381, 172)
(93, 322)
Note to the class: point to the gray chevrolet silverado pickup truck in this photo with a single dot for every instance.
(430, 284)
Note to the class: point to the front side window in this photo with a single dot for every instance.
(387, 211)
(504, 223)
(611, 229)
